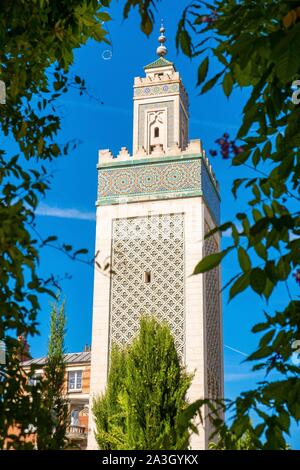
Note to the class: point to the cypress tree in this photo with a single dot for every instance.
(53, 415)
(108, 409)
(144, 405)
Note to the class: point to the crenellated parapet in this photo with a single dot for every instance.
(105, 156)
(155, 79)
(194, 147)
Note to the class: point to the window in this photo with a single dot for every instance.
(147, 277)
(75, 417)
(156, 132)
(34, 379)
(75, 380)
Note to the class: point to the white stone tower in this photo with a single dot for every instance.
(153, 210)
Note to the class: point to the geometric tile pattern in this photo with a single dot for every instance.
(156, 90)
(152, 90)
(211, 198)
(213, 323)
(148, 179)
(155, 245)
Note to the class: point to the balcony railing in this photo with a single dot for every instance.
(76, 430)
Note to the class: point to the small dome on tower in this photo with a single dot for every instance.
(162, 51)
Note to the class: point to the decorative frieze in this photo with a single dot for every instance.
(159, 178)
(149, 179)
(156, 90)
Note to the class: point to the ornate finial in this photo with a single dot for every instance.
(162, 50)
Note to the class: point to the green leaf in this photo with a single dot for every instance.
(228, 84)
(208, 85)
(271, 271)
(52, 238)
(257, 215)
(67, 247)
(260, 226)
(256, 157)
(220, 228)
(244, 259)
(261, 250)
(83, 251)
(240, 285)
(260, 327)
(185, 42)
(210, 262)
(104, 16)
(260, 353)
(266, 338)
(258, 280)
(282, 269)
(236, 184)
(235, 235)
(202, 71)
(220, 56)
(241, 158)
(285, 421)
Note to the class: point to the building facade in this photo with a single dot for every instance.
(76, 391)
(154, 208)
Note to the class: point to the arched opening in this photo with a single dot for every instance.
(156, 132)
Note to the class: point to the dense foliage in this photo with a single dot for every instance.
(256, 46)
(53, 409)
(144, 405)
(37, 40)
(230, 442)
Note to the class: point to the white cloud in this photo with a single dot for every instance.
(97, 106)
(64, 213)
(215, 124)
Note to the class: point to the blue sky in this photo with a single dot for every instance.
(69, 208)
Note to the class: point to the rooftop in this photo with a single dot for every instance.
(70, 358)
(160, 62)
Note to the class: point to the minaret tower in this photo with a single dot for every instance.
(153, 210)
(160, 107)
